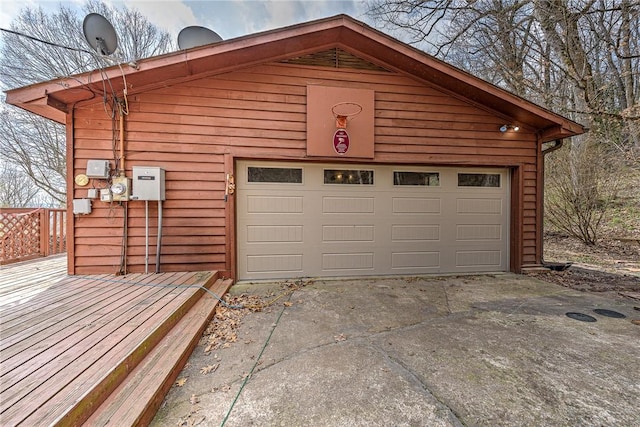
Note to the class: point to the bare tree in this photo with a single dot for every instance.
(40, 153)
(580, 58)
(37, 145)
(16, 189)
(582, 189)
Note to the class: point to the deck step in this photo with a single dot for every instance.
(138, 397)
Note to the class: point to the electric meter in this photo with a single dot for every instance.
(120, 188)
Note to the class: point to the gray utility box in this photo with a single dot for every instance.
(98, 169)
(148, 183)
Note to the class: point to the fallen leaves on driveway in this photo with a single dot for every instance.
(341, 337)
(222, 330)
(208, 369)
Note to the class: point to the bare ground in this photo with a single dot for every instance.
(613, 266)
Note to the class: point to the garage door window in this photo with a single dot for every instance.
(428, 179)
(280, 175)
(348, 176)
(479, 180)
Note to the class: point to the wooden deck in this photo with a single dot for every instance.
(99, 350)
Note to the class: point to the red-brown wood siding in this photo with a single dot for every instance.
(196, 130)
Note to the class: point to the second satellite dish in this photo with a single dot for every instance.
(100, 34)
(196, 36)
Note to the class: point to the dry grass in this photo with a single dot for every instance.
(613, 264)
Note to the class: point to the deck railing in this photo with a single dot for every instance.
(31, 233)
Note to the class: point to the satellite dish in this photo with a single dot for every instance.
(197, 36)
(100, 34)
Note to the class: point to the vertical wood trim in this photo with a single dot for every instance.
(539, 200)
(230, 223)
(44, 231)
(71, 240)
(517, 213)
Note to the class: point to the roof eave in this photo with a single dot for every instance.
(562, 131)
(44, 106)
(296, 40)
(51, 99)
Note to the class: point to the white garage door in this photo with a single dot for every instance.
(313, 220)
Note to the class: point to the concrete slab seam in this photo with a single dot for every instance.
(413, 377)
(251, 372)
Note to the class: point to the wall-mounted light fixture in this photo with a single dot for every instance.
(505, 128)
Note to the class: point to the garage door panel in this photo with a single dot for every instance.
(348, 233)
(475, 206)
(282, 263)
(421, 233)
(348, 261)
(479, 232)
(348, 205)
(318, 229)
(274, 233)
(274, 204)
(415, 260)
(479, 259)
(414, 205)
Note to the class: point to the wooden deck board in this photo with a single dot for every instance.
(22, 281)
(65, 348)
(61, 315)
(59, 365)
(118, 358)
(43, 302)
(39, 353)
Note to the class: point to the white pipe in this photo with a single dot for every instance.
(146, 236)
(159, 245)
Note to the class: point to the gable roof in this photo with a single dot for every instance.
(53, 99)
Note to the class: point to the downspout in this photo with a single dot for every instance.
(558, 144)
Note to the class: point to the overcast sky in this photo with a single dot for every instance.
(228, 18)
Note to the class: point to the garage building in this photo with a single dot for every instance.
(321, 149)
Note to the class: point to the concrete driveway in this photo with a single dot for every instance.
(491, 350)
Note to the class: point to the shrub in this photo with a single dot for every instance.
(582, 182)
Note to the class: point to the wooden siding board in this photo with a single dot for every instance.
(222, 100)
(461, 143)
(453, 150)
(209, 144)
(292, 76)
(285, 132)
(356, 74)
(444, 129)
(137, 242)
(242, 82)
(178, 121)
(148, 109)
(436, 115)
(412, 105)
